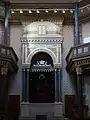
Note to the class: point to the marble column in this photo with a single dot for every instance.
(79, 90)
(25, 85)
(59, 84)
(6, 18)
(56, 92)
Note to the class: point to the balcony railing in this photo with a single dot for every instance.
(8, 53)
(79, 51)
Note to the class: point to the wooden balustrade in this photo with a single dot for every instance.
(78, 51)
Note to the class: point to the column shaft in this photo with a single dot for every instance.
(23, 85)
(6, 18)
(79, 91)
(56, 95)
(80, 94)
(60, 92)
(27, 85)
(77, 41)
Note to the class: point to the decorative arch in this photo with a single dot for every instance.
(48, 51)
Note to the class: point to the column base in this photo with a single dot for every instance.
(58, 109)
(24, 109)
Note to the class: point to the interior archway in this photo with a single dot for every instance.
(41, 82)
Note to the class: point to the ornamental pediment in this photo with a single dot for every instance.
(42, 28)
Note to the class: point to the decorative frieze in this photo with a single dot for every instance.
(78, 62)
(42, 40)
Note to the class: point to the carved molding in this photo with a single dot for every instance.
(78, 70)
(4, 70)
(3, 63)
(78, 63)
(51, 53)
(42, 40)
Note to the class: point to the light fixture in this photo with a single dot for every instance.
(71, 11)
(55, 11)
(63, 11)
(46, 11)
(12, 12)
(30, 11)
(21, 11)
(37, 11)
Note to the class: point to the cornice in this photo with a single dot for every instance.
(42, 5)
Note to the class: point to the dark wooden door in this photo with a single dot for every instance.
(69, 103)
(14, 107)
(42, 87)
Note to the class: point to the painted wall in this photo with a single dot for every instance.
(86, 31)
(67, 44)
(87, 91)
(15, 42)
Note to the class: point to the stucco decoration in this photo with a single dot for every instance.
(35, 51)
(42, 28)
(42, 36)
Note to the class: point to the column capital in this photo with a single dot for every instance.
(4, 70)
(78, 70)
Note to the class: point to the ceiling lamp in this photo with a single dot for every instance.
(46, 11)
(12, 12)
(63, 11)
(38, 11)
(71, 11)
(30, 11)
(55, 11)
(21, 11)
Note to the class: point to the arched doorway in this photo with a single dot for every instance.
(41, 82)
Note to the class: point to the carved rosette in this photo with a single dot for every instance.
(78, 70)
(4, 70)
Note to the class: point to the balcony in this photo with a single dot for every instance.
(78, 56)
(8, 58)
